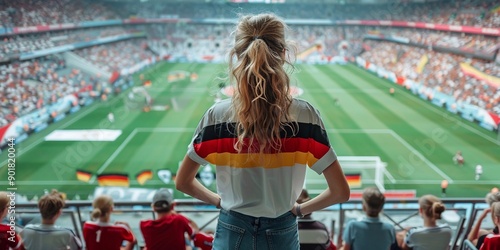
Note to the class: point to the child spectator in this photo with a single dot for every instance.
(431, 235)
(313, 234)
(492, 241)
(47, 235)
(170, 223)
(103, 234)
(370, 232)
(8, 240)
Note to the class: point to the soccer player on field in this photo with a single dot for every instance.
(102, 234)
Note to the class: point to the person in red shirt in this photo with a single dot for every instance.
(492, 241)
(169, 228)
(102, 234)
(9, 238)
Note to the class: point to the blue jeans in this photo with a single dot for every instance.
(236, 231)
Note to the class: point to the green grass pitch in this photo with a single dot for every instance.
(416, 139)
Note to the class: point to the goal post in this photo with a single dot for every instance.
(370, 168)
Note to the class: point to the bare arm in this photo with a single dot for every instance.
(345, 247)
(473, 235)
(188, 184)
(130, 245)
(338, 191)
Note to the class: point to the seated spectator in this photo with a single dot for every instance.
(170, 223)
(370, 232)
(7, 240)
(103, 234)
(430, 235)
(313, 234)
(48, 235)
(492, 241)
(477, 234)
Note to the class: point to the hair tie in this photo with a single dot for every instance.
(256, 37)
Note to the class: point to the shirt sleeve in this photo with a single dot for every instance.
(127, 234)
(198, 137)
(408, 237)
(392, 233)
(187, 226)
(321, 154)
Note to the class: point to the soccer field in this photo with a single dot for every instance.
(415, 138)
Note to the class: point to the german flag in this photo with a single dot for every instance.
(113, 180)
(144, 176)
(354, 180)
(307, 145)
(83, 175)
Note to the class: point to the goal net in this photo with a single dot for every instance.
(359, 171)
(363, 170)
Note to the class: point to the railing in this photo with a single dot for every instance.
(460, 215)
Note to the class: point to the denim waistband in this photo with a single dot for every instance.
(262, 220)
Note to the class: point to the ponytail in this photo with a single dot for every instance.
(262, 97)
(103, 205)
(431, 206)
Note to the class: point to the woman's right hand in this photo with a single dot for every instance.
(293, 210)
(485, 212)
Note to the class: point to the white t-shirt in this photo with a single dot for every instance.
(429, 238)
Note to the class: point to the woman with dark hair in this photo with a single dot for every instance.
(261, 142)
(431, 236)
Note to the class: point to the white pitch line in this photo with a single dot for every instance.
(323, 181)
(457, 182)
(357, 131)
(113, 156)
(389, 176)
(401, 140)
(444, 112)
(44, 183)
(165, 129)
(430, 164)
(129, 138)
(42, 139)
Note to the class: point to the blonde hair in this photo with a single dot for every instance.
(50, 204)
(492, 197)
(103, 205)
(4, 201)
(262, 98)
(495, 209)
(431, 206)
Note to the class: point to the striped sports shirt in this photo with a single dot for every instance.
(267, 184)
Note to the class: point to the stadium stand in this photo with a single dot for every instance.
(401, 215)
(81, 56)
